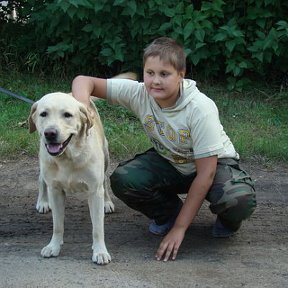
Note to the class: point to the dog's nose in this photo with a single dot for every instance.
(50, 134)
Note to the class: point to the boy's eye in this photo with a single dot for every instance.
(164, 74)
(150, 73)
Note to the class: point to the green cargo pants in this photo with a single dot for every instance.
(149, 183)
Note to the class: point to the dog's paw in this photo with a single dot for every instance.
(101, 258)
(42, 207)
(51, 250)
(109, 207)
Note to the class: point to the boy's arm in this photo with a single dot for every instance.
(84, 86)
(206, 169)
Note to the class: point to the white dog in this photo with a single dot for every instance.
(73, 159)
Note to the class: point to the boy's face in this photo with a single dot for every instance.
(162, 81)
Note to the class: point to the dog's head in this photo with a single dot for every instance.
(59, 118)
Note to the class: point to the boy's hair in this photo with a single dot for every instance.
(168, 50)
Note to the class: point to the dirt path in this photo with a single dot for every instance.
(255, 257)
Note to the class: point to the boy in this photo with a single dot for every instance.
(191, 152)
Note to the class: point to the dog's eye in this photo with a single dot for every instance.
(43, 114)
(67, 115)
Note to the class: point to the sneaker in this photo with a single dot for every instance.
(161, 230)
(220, 231)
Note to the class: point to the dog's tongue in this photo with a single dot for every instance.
(54, 148)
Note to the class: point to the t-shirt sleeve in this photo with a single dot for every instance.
(126, 93)
(206, 133)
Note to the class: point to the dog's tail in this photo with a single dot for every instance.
(126, 75)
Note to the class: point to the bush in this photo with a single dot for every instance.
(235, 41)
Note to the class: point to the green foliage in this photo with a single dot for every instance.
(265, 137)
(235, 41)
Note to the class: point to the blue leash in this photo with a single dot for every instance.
(25, 99)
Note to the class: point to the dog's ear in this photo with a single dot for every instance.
(86, 118)
(31, 123)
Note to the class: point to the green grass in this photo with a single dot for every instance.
(256, 121)
(123, 131)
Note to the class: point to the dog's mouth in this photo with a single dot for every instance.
(56, 149)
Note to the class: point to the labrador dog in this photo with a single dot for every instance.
(73, 158)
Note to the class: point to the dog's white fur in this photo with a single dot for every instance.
(78, 168)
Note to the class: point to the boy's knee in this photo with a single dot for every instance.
(118, 181)
(124, 182)
(236, 204)
(242, 209)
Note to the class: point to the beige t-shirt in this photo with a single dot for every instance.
(187, 131)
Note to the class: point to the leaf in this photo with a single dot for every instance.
(98, 6)
(59, 49)
(230, 66)
(237, 33)
(133, 6)
(179, 8)
(187, 51)
(119, 2)
(72, 11)
(261, 22)
(237, 71)
(243, 64)
(188, 30)
(230, 45)
(88, 28)
(282, 24)
(75, 3)
(165, 26)
(189, 12)
(84, 3)
(259, 56)
(64, 6)
(178, 19)
(169, 12)
(200, 54)
(106, 52)
(219, 37)
(260, 34)
(97, 32)
(200, 34)
(271, 40)
(195, 58)
(200, 45)
(231, 83)
(141, 9)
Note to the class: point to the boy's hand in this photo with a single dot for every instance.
(170, 244)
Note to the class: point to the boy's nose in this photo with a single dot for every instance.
(156, 80)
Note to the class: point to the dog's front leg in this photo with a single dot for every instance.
(96, 207)
(42, 205)
(57, 201)
(108, 204)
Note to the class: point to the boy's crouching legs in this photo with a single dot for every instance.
(143, 183)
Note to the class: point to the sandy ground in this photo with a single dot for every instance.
(256, 257)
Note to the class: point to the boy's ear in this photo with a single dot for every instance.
(182, 74)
